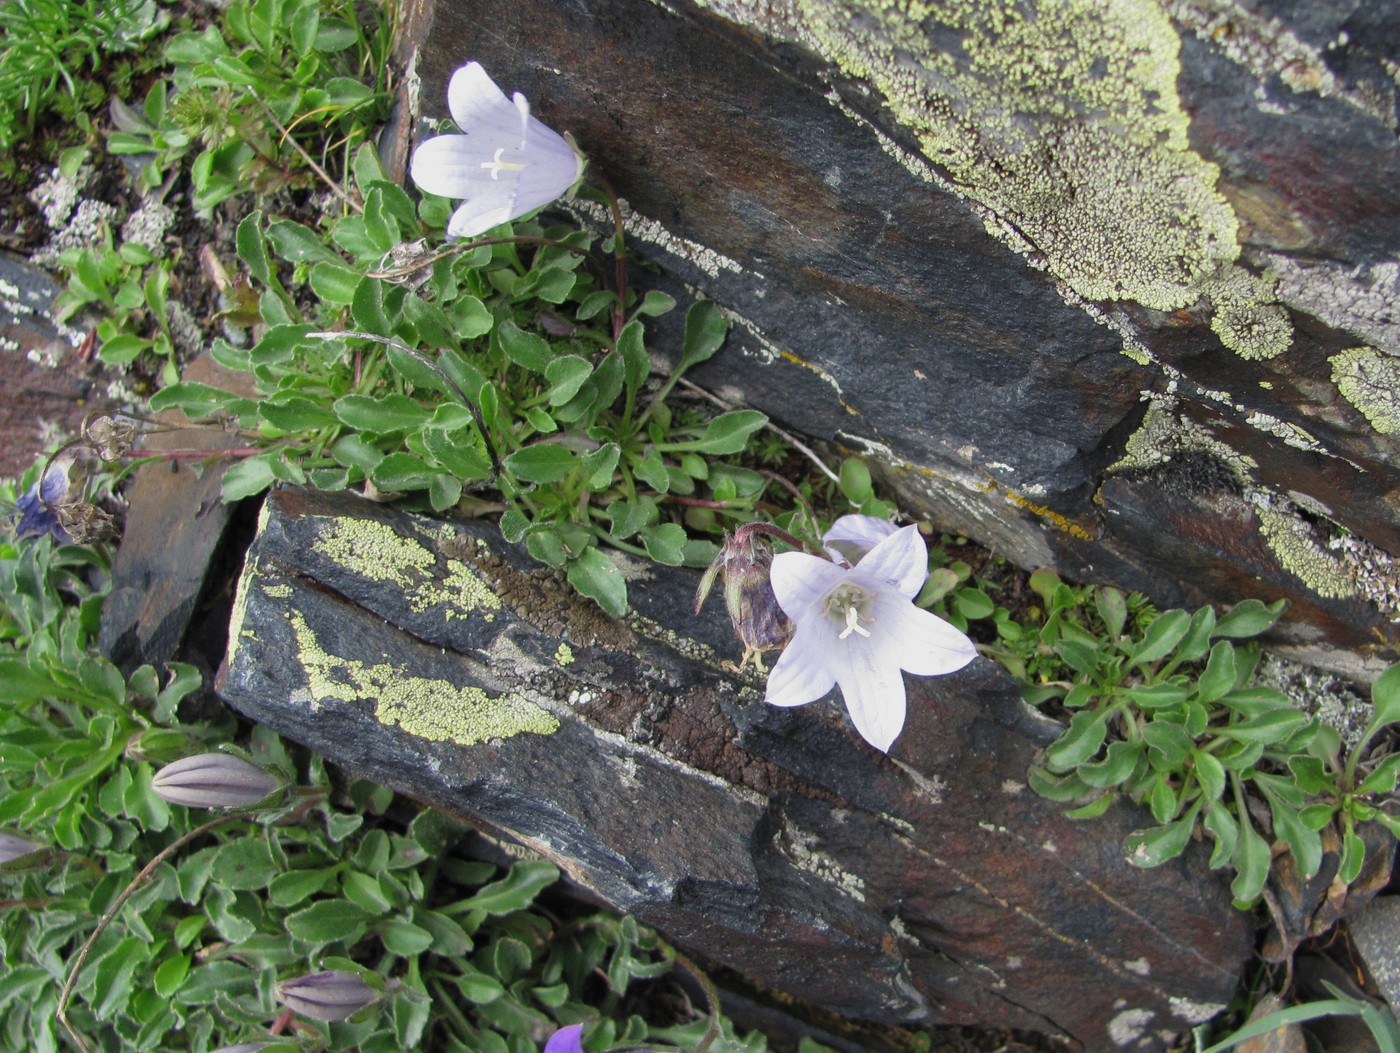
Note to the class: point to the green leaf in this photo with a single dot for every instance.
(705, 330)
(566, 375)
(244, 864)
(1218, 677)
(1303, 842)
(296, 414)
(1162, 636)
(665, 543)
(1353, 855)
(1085, 734)
(1157, 696)
(192, 398)
(114, 975)
(545, 462)
(1272, 726)
(728, 433)
(335, 283)
(597, 577)
(298, 244)
(636, 365)
(404, 938)
(1249, 618)
(295, 886)
(1118, 765)
(458, 456)
(524, 349)
(1221, 825)
(1210, 774)
(516, 891)
(1383, 777)
(1252, 860)
(1155, 845)
(1112, 609)
(380, 414)
(252, 248)
(600, 465)
(246, 478)
(328, 921)
(1080, 657)
(1093, 809)
(1055, 787)
(1385, 698)
(1197, 639)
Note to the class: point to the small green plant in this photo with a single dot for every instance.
(535, 385)
(51, 49)
(1163, 710)
(277, 90)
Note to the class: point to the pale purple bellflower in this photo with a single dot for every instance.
(566, 1040)
(505, 164)
(855, 625)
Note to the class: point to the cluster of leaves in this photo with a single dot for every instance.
(464, 957)
(250, 101)
(534, 384)
(1162, 708)
(52, 49)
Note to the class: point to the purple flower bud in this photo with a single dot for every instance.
(14, 849)
(566, 1040)
(244, 1047)
(214, 780)
(330, 995)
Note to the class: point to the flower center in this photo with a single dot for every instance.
(848, 604)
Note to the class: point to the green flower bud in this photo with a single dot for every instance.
(214, 780)
(331, 995)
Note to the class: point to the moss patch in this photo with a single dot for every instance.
(1370, 381)
(435, 710)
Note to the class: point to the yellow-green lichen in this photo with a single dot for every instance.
(1291, 541)
(277, 592)
(378, 553)
(1370, 381)
(564, 655)
(1062, 119)
(430, 709)
(1248, 319)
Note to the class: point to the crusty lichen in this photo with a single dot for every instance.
(1292, 542)
(379, 553)
(1370, 381)
(1062, 119)
(431, 709)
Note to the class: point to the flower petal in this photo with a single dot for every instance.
(476, 104)
(566, 1040)
(851, 537)
(802, 582)
(873, 688)
(899, 562)
(917, 640)
(801, 674)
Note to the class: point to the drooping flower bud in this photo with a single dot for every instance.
(19, 853)
(331, 995)
(758, 621)
(214, 780)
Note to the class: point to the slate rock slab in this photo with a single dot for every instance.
(929, 885)
(1025, 256)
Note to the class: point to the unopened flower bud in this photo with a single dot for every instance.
(331, 995)
(19, 853)
(758, 621)
(246, 1047)
(214, 780)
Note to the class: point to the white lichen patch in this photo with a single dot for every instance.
(1193, 1012)
(1140, 966)
(378, 553)
(148, 225)
(931, 787)
(1129, 1026)
(1370, 381)
(428, 708)
(1362, 299)
(801, 848)
(651, 232)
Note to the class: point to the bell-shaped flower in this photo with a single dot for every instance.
(857, 626)
(566, 1040)
(38, 507)
(851, 537)
(504, 164)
